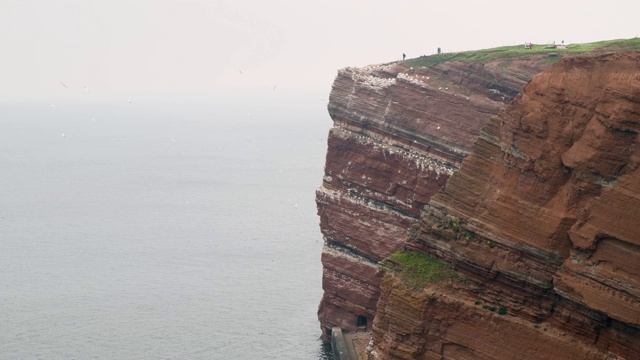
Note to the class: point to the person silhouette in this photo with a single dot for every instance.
(403, 56)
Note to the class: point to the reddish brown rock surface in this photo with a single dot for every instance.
(542, 220)
(399, 133)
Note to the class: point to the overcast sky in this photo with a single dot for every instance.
(196, 48)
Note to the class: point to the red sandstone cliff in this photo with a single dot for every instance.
(547, 228)
(399, 133)
(546, 210)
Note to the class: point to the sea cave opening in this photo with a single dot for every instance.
(362, 321)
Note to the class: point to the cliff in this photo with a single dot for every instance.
(399, 133)
(540, 221)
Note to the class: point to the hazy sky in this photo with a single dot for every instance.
(196, 48)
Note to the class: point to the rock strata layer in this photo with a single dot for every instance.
(399, 133)
(542, 223)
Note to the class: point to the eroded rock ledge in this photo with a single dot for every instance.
(399, 133)
(542, 220)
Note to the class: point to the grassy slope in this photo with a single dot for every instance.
(418, 270)
(485, 55)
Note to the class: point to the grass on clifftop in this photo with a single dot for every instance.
(418, 270)
(485, 55)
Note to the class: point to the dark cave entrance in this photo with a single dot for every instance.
(362, 321)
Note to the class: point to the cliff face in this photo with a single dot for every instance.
(399, 133)
(542, 221)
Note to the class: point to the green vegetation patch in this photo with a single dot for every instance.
(518, 51)
(490, 308)
(418, 270)
(613, 45)
(479, 56)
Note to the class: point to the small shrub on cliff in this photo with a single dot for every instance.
(502, 310)
(418, 270)
(454, 223)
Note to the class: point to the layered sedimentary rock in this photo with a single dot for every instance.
(399, 133)
(542, 222)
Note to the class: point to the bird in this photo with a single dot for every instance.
(63, 84)
(61, 134)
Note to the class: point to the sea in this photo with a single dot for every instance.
(160, 229)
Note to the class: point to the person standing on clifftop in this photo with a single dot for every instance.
(403, 56)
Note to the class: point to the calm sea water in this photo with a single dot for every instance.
(160, 230)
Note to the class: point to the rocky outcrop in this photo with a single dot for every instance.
(542, 222)
(399, 133)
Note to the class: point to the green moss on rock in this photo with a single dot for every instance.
(418, 270)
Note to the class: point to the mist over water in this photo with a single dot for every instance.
(160, 230)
